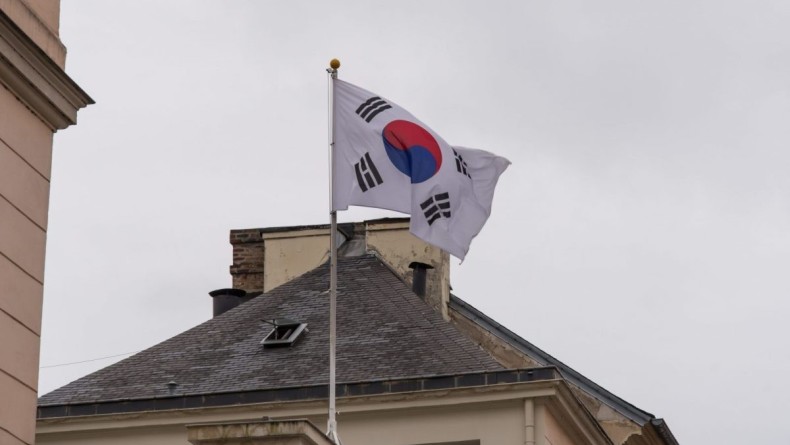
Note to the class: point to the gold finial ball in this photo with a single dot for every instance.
(334, 64)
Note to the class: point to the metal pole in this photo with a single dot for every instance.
(332, 422)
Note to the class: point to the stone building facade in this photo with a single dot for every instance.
(37, 99)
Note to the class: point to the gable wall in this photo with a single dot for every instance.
(617, 426)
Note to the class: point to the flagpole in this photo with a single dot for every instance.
(334, 64)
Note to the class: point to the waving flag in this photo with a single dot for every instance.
(386, 158)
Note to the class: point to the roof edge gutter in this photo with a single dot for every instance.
(294, 394)
(664, 432)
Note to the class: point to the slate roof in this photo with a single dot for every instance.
(385, 332)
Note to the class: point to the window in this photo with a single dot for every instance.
(284, 333)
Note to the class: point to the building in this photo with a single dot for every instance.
(416, 364)
(36, 100)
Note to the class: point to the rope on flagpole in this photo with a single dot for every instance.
(334, 64)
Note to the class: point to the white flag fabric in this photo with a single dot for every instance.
(386, 158)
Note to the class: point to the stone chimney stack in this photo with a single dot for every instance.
(266, 258)
(248, 259)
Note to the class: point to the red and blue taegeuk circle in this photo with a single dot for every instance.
(412, 149)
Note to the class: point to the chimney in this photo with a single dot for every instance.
(227, 299)
(419, 277)
(248, 259)
(391, 241)
(265, 258)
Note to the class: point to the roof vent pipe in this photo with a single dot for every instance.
(419, 278)
(227, 299)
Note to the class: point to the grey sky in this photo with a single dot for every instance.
(640, 236)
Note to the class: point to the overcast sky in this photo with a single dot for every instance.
(641, 235)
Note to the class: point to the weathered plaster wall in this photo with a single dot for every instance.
(265, 260)
(399, 248)
(617, 426)
(291, 254)
(500, 350)
(553, 431)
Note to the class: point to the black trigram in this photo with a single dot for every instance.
(367, 174)
(371, 107)
(436, 207)
(460, 164)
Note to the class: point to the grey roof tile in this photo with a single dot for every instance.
(384, 332)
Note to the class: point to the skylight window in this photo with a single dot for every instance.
(284, 333)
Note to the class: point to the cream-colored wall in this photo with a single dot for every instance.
(40, 20)
(399, 248)
(25, 166)
(616, 425)
(20, 296)
(17, 408)
(25, 159)
(493, 415)
(167, 435)
(48, 11)
(24, 133)
(288, 255)
(492, 423)
(553, 431)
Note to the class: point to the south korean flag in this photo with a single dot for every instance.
(386, 158)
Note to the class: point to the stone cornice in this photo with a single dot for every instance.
(36, 80)
(271, 432)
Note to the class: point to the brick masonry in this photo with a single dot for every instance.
(248, 259)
